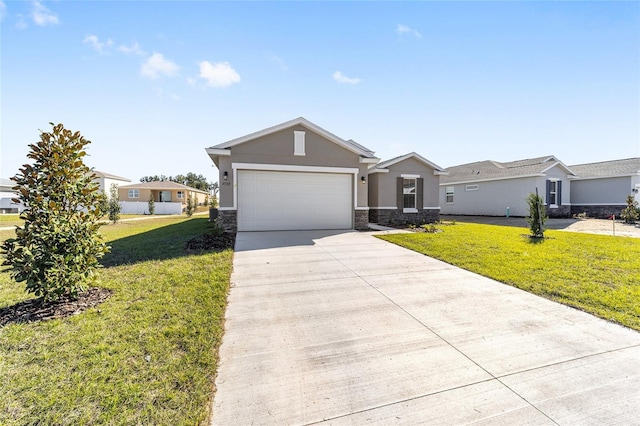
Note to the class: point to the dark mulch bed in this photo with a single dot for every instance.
(217, 242)
(34, 310)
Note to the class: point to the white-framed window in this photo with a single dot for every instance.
(134, 193)
(409, 192)
(473, 187)
(553, 192)
(180, 195)
(298, 142)
(448, 190)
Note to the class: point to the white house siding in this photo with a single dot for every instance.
(140, 207)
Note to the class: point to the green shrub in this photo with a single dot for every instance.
(57, 250)
(537, 215)
(152, 205)
(191, 205)
(114, 204)
(630, 213)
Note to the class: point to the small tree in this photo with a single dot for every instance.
(630, 213)
(152, 205)
(537, 215)
(103, 203)
(114, 204)
(206, 200)
(190, 205)
(56, 251)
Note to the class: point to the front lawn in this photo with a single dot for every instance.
(147, 355)
(596, 273)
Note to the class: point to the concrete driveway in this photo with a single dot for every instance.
(342, 328)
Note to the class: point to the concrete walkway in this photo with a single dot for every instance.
(342, 328)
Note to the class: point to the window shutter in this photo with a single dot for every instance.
(419, 193)
(399, 194)
(559, 193)
(548, 196)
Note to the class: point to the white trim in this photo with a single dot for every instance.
(369, 160)
(492, 179)
(553, 206)
(292, 168)
(388, 163)
(383, 208)
(299, 143)
(439, 173)
(361, 208)
(470, 187)
(560, 163)
(227, 209)
(554, 179)
(235, 187)
(603, 177)
(220, 152)
(372, 170)
(409, 210)
(431, 208)
(409, 176)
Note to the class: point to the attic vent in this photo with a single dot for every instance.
(298, 142)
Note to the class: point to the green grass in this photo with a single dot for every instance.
(91, 368)
(596, 273)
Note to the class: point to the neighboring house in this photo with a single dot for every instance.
(7, 194)
(601, 189)
(491, 188)
(105, 180)
(169, 197)
(295, 175)
(404, 190)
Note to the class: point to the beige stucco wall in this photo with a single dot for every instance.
(123, 194)
(384, 185)
(278, 148)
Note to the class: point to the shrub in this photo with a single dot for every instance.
(630, 213)
(152, 205)
(114, 204)
(57, 250)
(190, 205)
(537, 215)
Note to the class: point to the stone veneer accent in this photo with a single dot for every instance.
(361, 219)
(398, 218)
(228, 220)
(599, 212)
(559, 212)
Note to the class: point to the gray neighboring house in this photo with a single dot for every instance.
(601, 189)
(292, 176)
(404, 190)
(7, 194)
(492, 188)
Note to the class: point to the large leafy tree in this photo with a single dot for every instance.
(57, 250)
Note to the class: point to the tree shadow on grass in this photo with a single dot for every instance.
(167, 242)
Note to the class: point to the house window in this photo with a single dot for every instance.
(134, 193)
(180, 195)
(409, 191)
(471, 187)
(449, 194)
(298, 143)
(553, 192)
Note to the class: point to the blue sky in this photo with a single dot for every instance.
(152, 84)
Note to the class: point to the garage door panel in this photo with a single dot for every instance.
(269, 200)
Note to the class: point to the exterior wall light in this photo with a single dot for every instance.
(225, 176)
(363, 180)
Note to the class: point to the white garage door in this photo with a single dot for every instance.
(270, 201)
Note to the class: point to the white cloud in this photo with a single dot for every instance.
(134, 49)
(219, 74)
(341, 78)
(403, 29)
(94, 41)
(41, 15)
(157, 65)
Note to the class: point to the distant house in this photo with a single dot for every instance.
(7, 194)
(403, 190)
(169, 197)
(492, 188)
(601, 189)
(105, 180)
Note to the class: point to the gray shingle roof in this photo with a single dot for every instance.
(626, 167)
(493, 170)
